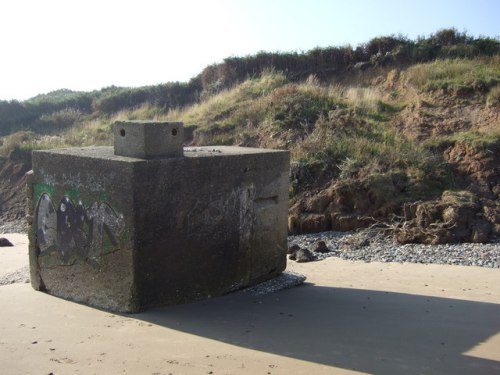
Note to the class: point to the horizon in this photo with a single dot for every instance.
(86, 46)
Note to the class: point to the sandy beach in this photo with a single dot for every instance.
(348, 318)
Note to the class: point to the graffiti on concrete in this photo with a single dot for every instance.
(103, 221)
(75, 231)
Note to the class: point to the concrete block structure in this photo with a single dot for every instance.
(148, 139)
(127, 233)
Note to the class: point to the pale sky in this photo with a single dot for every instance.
(89, 44)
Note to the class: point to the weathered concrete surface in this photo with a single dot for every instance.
(148, 139)
(126, 233)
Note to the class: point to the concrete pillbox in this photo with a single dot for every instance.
(128, 233)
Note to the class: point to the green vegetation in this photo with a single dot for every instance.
(340, 111)
(326, 64)
(479, 74)
(479, 140)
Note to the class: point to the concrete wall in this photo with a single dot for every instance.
(125, 233)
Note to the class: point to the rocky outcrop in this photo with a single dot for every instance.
(455, 217)
(468, 213)
(345, 205)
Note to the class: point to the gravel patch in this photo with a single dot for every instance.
(373, 247)
(22, 275)
(19, 226)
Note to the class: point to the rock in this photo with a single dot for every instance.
(293, 249)
(303, 256)
(321, 247)
(4, 242)
(381, 247)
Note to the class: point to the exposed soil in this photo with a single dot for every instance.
(359, 203)
(445, 114)
(470, 216)
(13, 187)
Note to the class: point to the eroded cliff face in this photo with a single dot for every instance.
(468, 213)
(13, 187)
(467, 210)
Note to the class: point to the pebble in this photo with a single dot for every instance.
(380, 249)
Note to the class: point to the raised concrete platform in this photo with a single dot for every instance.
(148, 139)
(125, 233)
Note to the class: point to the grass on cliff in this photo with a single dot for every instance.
(480, 140)
(336, 130)
(480, 74)
(344, 131)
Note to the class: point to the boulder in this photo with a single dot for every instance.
(4, 242)
(321, 247)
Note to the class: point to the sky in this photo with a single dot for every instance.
(84, 45)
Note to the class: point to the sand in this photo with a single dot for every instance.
(349, 318)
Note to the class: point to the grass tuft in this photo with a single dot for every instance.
(478, 74)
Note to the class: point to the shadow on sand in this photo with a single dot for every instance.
(364, 330)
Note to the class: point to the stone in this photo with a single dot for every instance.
(4, 242)
(293, 249)
(321, 247)
(127, 233)
(304, 255)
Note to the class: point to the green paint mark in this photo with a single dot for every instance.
(73, 194)
(40, 189)
(103, 197)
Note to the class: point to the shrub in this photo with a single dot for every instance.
(59, 120)
(16, 140)
(291, 107)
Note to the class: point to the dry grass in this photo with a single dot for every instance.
(481, 73)
(493, 98)
(363, 97)
(345, 130)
